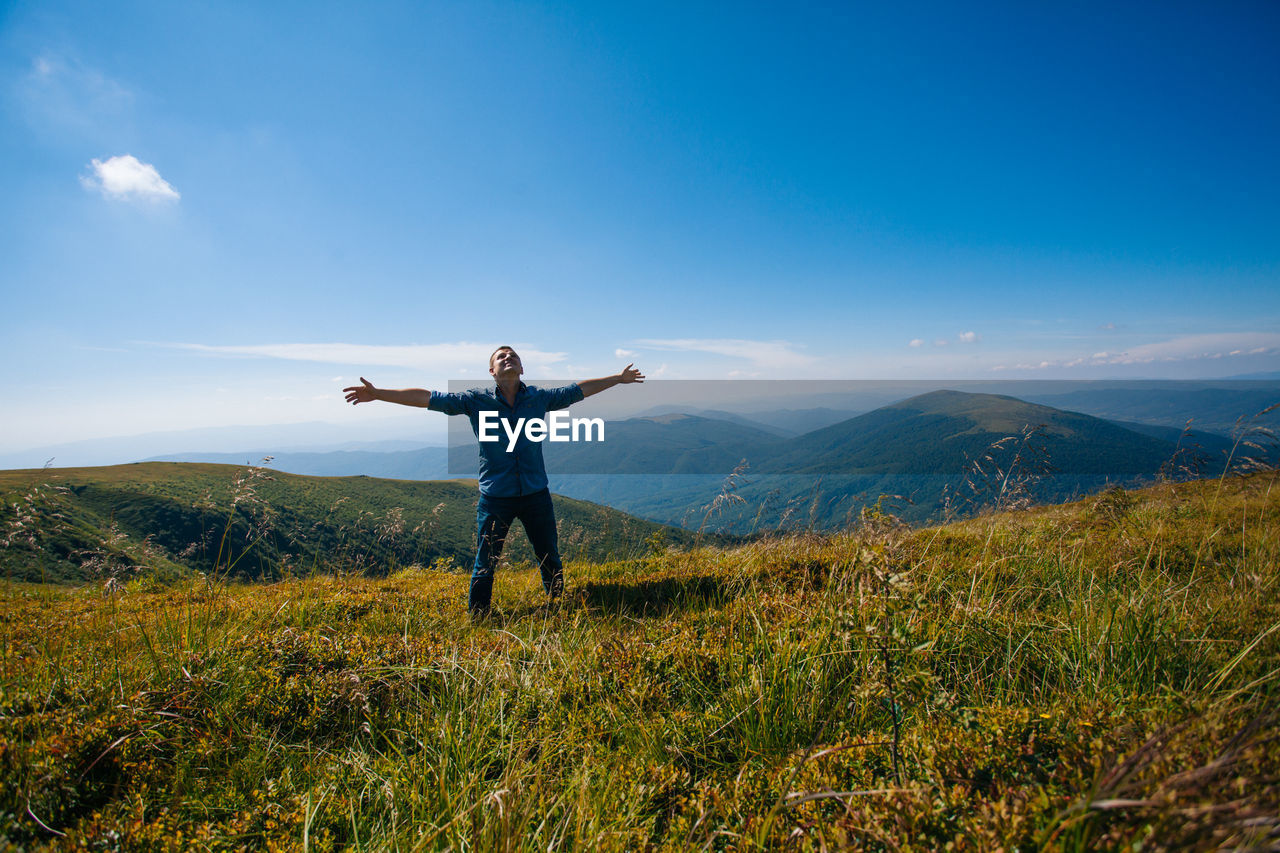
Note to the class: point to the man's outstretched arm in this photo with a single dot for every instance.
(628, 375)
(366, 393)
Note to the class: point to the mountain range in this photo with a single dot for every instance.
(939, 452)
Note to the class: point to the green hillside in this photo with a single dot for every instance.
(170, 519)
(1098, 676)
(943, 432)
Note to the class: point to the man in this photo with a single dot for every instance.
(513, 479)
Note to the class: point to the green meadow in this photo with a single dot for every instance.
(1100, 675)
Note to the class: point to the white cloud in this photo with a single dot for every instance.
(941, 342)
(967, 337)
(62, 97)
(774, 355)
(623, 353)
(1173, 354)
(463, 359)
(916, 342)
(125, 177)
(1191, 347)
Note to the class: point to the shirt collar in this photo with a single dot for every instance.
(497, 391)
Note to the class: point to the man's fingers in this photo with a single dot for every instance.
(362, 393)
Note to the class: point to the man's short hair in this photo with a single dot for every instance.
(498, 350)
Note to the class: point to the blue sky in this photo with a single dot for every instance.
(222, 213)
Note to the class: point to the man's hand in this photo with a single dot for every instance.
(630, 374)
(365, 393)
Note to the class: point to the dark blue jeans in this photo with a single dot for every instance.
(493, 520)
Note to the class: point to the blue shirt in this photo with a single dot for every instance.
(521, 471)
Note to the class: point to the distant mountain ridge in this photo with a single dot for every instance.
(944, 431)
(664, 444)
(419, 463)
(308, 437)
(1212, 409)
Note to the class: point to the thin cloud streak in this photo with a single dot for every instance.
(764, 354)
(462, 358)
(1197, 347)
(61, 96)
(1184, 349)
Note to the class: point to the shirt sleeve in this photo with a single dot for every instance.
(452, 404)
(562, 398)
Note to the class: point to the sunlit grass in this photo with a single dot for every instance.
(1080, 677)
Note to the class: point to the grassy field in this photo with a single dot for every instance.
(1097, 676)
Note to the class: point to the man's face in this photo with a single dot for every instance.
(505, 362)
